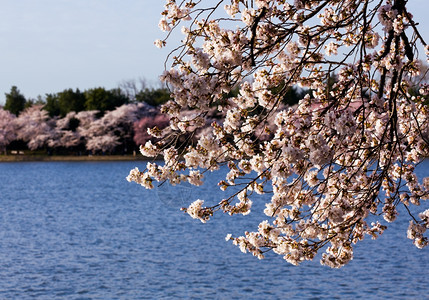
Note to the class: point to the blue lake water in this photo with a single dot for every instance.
(79, 230)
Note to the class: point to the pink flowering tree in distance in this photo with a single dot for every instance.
(345, 155)
(7, 129)
(113, 129)
(65, 135)
(35, 127)
(141, 134)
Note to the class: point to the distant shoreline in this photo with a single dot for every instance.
(48, 158)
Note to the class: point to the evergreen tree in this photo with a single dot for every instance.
(15, 101)
(103, 100)
(153, 97)
(69, 100)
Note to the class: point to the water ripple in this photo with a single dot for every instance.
(80, 231)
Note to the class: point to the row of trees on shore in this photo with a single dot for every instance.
(76, 133)
(92, 121)
(99, 98)
(98, 120)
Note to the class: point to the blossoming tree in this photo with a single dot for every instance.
(113, 130)
(140, 127)
(345, 154)
(7, 129)
(34, 127)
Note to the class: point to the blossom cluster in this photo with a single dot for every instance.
(346, 152)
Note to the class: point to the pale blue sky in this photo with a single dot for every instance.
(47, 46)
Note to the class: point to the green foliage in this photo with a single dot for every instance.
(52, 105)
(93, 99)
(104, 100)
(153, 97)
(31, 102)
(59, 104)
(62, 103)
(15, 101)
(69, 100)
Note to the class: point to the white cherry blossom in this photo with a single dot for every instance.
(346, 153)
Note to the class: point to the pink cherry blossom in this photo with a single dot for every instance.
(7, 128)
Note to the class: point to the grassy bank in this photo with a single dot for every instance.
(17, 158)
